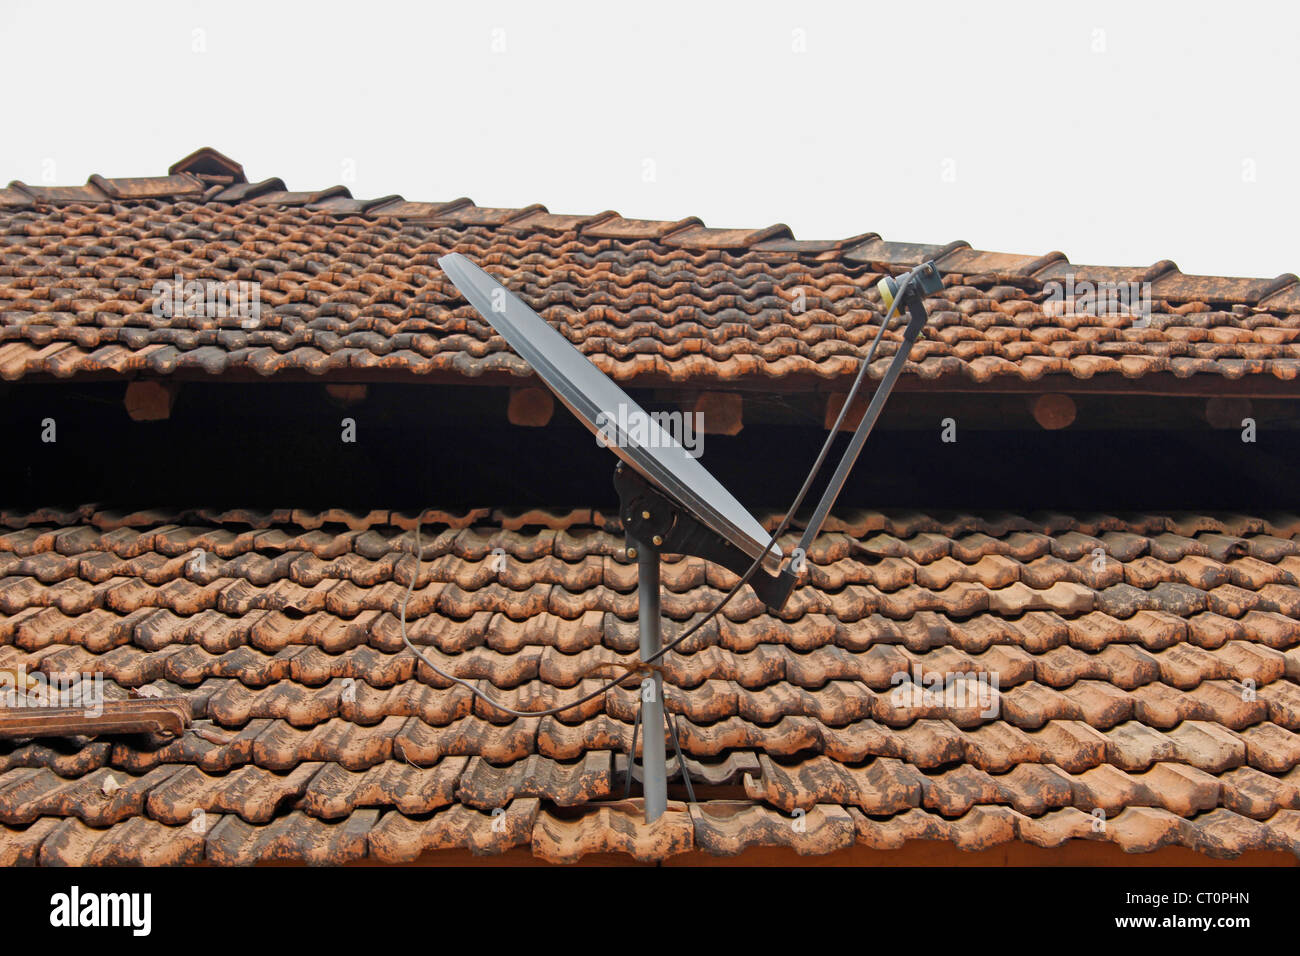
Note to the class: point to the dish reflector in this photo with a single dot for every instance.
(611, 414)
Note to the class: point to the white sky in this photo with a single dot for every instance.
(1118, 133)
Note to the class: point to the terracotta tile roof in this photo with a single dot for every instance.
(350, 287)
(1148, 687)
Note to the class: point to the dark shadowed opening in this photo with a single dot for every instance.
(280, 445)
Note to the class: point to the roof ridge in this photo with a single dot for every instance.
(196, 178)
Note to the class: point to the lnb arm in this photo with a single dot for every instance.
(910, 291)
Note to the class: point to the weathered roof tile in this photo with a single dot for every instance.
(999, 317)
(318, 738)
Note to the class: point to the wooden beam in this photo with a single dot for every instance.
(531, 407)
(1054, 411)
(346, 395)
(722, 412)
(835, 401)
(1203, 385)
(148, 400)
(147, 715)
(1093, 853)
(1227, 411)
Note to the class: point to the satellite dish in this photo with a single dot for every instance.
(631, 433)
(668, 501)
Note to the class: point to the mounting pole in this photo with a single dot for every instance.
(654, 749)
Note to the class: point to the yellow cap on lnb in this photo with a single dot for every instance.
(887, 287)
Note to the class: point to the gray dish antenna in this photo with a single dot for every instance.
(668, 501)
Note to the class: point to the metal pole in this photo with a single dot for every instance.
(653, 747)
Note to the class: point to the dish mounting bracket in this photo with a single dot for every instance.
(653, 520)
